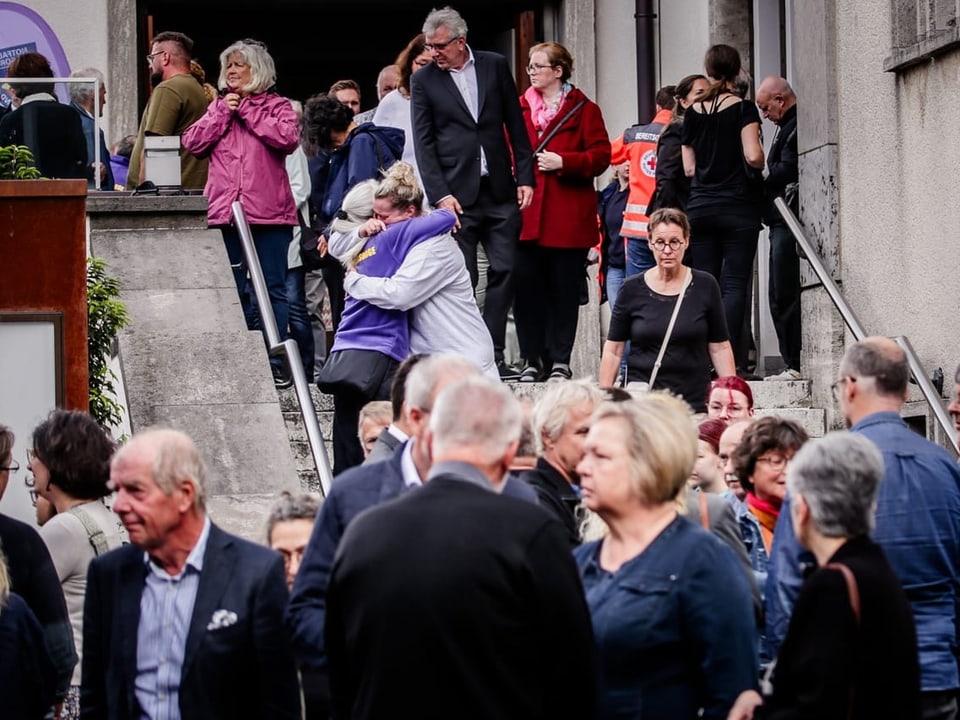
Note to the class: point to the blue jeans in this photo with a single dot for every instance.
(639, 257)
(300, 327)
(614, 279)
(271, 243)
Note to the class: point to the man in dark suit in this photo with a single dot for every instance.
(188, 620)
(454, 601)
(462, 105)
(354, 491)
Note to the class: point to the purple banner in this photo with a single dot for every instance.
(23, 30)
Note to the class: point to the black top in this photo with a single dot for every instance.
(642, 315)
(557, 496)
(783, 164)
(673, 185)
(613, 202)
(54, 134)
(34, 578)
(26, 674)
(721, 178)
(825, 652)
(455, 602)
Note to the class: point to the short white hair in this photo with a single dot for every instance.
(426, 375)
(445, 17)
(476, 413)
(82, 92)
(552, 409)
(175, 457)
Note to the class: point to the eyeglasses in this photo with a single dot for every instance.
(673, 243)
(431, 47)
(12, 467)
(151, 56)
(835, 387)
(31, 482)
(534, 68)
(776, 462)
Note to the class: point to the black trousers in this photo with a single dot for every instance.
(546, 305)
(496, 226)
(347, 451)
(784, 293)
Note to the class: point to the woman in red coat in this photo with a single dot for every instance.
(560, 225)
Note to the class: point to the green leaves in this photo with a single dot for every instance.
(16, 163)
(106, 316)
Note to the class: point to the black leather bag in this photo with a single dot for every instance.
(359, 372)
(309, 255)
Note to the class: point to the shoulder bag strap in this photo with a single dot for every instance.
(704, 516)
(98, 539)
(549, 136)
(673, 321)
(853, 593)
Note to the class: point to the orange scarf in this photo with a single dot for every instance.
(766, 514)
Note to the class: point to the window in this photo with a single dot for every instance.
(922, 29)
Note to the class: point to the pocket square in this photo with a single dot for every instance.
(222, 619)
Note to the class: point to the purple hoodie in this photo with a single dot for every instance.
(367, 327)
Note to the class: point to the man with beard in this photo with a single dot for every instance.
(176, 103)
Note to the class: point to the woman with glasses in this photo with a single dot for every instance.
(729, 398)
(760, 463)
(70, 464)
(671, 607)
(247, 133)
(692, 343)
(560, 225)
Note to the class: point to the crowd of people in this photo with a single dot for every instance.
(641, 546)
(592, 554)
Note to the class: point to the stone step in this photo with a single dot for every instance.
(813, 420)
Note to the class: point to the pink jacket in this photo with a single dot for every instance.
(248, 150)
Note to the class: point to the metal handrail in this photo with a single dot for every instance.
(849, 317)
(288, 347)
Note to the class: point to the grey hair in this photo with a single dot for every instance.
(427, 375)
(476, 413)
(880, 361)
(81, 92)
(552, 409)
(445, 17)
(356, 209)
(175, 458)
(290, 507)
(838, 477)
(263, 72)
(956, 376)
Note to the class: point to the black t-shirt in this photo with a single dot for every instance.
(720, 178)
(642, 315)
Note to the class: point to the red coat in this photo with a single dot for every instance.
(563, 213)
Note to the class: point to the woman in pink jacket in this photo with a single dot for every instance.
(247, 133)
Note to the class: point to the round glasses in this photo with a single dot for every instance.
(534, 68)
(11, 468)
(673, 244)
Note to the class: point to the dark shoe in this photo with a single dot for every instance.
(560, 372)
(531, 372)
(508, 373)
(281, 379)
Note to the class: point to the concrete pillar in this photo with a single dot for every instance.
(123, 57)
(578, 34)
(814, 43)
(730, 22)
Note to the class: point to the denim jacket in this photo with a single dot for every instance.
(674, 627)
(918, 527)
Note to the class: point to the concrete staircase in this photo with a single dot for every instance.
(789, 399)
(188, 360)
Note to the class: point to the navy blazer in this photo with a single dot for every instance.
(88, 130)
(243, 670)
(358, 489)
(447, 139)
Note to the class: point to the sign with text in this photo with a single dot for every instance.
(24, 30)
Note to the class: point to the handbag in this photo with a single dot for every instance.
(638, 387)
(359, 372)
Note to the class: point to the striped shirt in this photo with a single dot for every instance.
(166, 609)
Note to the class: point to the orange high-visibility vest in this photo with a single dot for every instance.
(638, 144)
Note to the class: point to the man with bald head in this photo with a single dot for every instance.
(778, 104)
(387, 81)
(917, 516)
(187, 621)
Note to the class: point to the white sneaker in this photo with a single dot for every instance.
(788, 374)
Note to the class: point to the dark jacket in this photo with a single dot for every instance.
(89, 127)
(783, 164)
(448, 139)
(34, 578)
(244, 670)
(54, 134)
(26, 674)
(557, 496)
(673, 185)
(456, 602)
(826, 654)
(367, 151)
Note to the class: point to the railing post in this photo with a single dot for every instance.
(288, 348)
